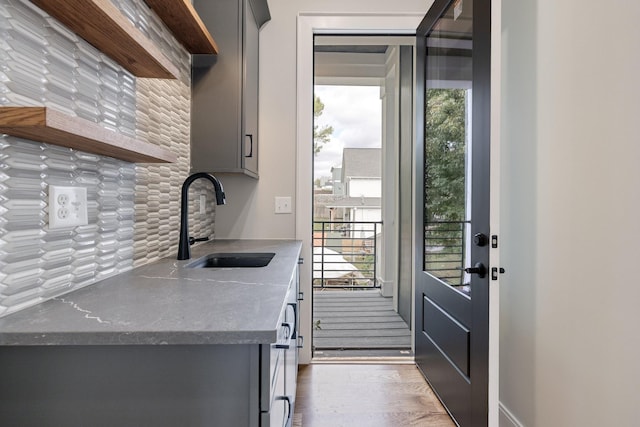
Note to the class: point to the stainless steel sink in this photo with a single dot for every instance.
(233, 260)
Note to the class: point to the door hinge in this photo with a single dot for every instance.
(494, 241)
(495, 271)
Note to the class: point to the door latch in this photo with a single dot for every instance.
(495, 271)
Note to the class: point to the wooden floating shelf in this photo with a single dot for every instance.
(100, 23)
(186, 25)
(53, 127)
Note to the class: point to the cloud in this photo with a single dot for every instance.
(355, 113)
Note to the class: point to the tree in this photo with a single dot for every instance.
(445, 155)
(321, 135)
(445, 146)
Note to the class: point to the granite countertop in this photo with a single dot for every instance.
(166, 303)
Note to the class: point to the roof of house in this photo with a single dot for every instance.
(361, 163)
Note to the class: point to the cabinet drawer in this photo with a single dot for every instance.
(279, 413)
(291, 354)
(279, 366)
(273, 363)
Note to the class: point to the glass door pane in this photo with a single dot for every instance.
(448, 143)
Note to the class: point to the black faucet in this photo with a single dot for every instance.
(184, 247)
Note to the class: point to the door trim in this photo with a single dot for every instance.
(308, 25)
(494, 211)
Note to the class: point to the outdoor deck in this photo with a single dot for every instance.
(355, 321)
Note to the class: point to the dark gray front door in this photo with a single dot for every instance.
(453, 238)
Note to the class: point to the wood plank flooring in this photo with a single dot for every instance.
(366, 395)
(357, 320)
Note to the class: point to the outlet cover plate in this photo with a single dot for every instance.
(283, 205)
(67, 206)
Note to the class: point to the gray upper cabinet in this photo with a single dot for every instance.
(224, 111)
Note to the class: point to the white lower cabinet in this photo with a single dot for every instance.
(282, 368)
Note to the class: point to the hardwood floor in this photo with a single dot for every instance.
(366, 395)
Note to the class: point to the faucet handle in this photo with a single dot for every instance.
(192, 240)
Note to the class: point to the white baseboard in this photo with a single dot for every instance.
(386, 288)
(507, 419)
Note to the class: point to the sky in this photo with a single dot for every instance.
(355, 113)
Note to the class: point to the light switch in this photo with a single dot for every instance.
(283, 205)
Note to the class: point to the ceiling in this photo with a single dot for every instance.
(353, 60)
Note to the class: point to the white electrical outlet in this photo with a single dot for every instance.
(283, 205)
(67, 206)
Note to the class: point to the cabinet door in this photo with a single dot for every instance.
(291, 354)
(250, 91)
(280, 408)
(216, 92)
(278, 416)
(276, 405)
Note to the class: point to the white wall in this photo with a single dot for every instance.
(364, 187)
(366, 215)
(569, 214)
(250, 209)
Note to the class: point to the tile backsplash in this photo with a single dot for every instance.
(133, 209)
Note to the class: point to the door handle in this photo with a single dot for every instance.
(250, 145)
(478, 269)
(289, 421)
(290, 336)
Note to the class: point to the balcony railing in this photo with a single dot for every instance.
(345, 254)
(445, 250)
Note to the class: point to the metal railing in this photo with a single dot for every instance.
(345, 254)
(445, 250)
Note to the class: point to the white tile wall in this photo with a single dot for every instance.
(133, 209)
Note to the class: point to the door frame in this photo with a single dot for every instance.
(494, 210)
(309, 24)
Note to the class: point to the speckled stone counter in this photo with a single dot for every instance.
(166, 303)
